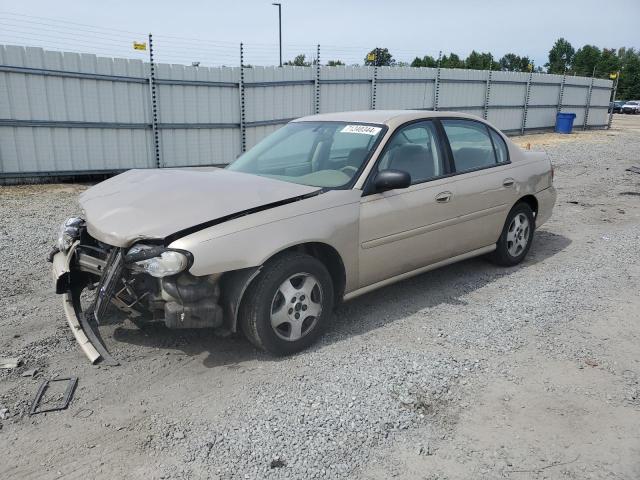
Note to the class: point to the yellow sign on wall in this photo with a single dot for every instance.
(139, 45)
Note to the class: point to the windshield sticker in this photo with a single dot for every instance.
(366, 129)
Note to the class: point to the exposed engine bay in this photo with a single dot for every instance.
(146, 282)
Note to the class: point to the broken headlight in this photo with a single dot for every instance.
(157, 261)
(69, 232)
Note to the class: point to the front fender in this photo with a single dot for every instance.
(246, 242)
(233, 286)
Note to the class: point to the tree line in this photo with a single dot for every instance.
(587, 61)
(591, 60)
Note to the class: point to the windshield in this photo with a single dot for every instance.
(319, 154)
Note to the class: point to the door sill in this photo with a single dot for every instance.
(418, 271)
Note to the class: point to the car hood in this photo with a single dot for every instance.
(155, 203)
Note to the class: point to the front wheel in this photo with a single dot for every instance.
(288, 305)
(516, 237)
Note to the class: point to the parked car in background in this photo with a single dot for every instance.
(616, 106)
(326, 208)
(632, 106)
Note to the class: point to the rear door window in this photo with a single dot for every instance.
(502, 154)
(470, 143)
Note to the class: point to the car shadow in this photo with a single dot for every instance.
(445, 285)
(221, 350)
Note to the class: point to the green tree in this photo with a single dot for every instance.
(426, 61)
(585, 60)
(299, 61)
(452, 61)
(560, 56)
(334, 63)
(629, 83)
(481, 61)
(511, 62)
(380, 57)
(474, 61)
(608, 63)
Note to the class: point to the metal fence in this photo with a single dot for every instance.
(69, 114)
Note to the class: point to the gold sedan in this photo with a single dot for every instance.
(324, 209)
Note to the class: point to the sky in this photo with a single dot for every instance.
(210, 31)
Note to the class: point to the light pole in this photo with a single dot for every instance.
(279, 27)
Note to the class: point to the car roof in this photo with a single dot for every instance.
(391, 118)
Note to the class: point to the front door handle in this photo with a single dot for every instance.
(443, 197)
(508, 182)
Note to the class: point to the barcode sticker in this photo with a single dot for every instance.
(365, 129)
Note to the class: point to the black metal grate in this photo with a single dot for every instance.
(108, 282)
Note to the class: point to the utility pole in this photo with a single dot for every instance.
(279, 27)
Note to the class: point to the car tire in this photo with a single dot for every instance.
(516, 237)
(276, 314)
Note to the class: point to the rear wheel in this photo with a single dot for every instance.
(288, 305)
(516, 237)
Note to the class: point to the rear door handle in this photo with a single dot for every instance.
(508, 182)
(443, 197)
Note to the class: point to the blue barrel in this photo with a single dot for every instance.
(564, 122)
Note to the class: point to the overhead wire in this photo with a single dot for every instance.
(66, 22)
(67, 35)
(63, 28)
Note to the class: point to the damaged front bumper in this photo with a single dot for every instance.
(71, 289)
(96, 279)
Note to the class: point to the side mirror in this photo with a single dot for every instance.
(391, 179)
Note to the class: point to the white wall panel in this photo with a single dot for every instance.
(405, 88)
(70, 112)
(598, 116)
(280, 101)
(198, 104)
(506, 118)
(541, 117)
(341, 97)
(462, 88)
(575, 95)
(199, 146)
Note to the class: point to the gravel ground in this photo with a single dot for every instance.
(470, 371)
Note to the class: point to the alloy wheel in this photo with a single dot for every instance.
(296, 306)
(518, 235)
